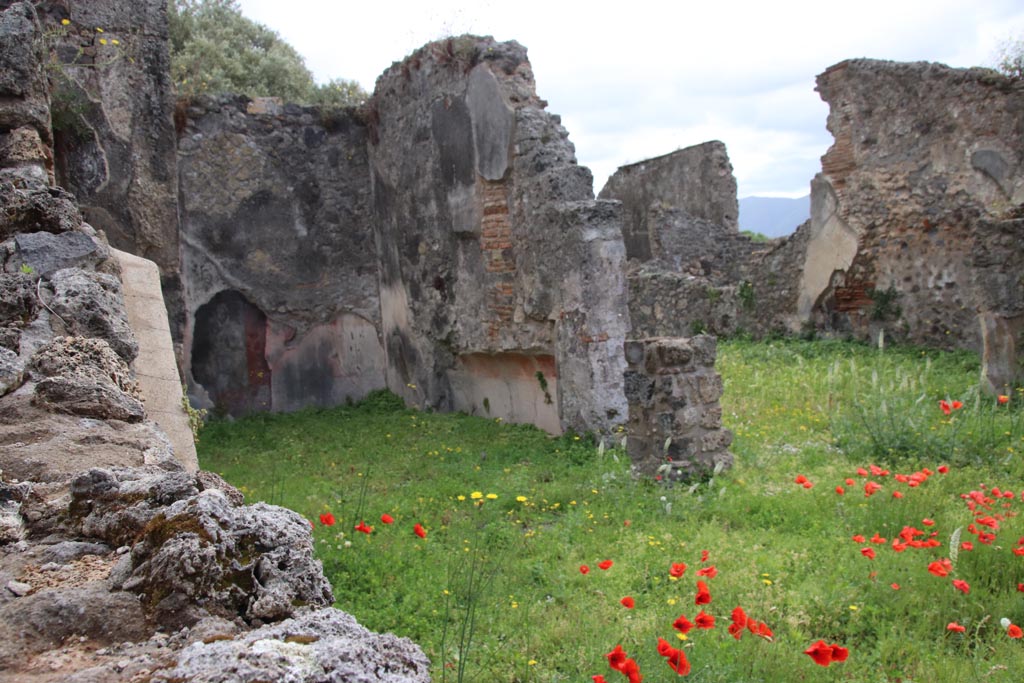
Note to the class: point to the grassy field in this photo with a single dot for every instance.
(496, 591)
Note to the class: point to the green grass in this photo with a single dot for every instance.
(783, 552)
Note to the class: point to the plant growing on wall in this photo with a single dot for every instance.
(745, 293)
(884, 306)
(1010, 59)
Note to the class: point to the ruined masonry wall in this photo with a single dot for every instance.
(697, 181)
(903, 190)
(914, 198)
(673, 392)
(690, 270)
(492, 246)
(281, 301)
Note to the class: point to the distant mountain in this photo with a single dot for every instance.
(773, 216)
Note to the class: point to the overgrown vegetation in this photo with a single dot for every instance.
(1010, 59)
(215, 49)
(527, 513)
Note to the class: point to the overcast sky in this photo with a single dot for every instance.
(639, 79)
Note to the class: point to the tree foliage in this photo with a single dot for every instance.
(215, 49)
(1010, 60)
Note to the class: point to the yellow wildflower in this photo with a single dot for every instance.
(476, 495)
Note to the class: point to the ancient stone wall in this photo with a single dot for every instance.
(927, 162)
(278, 257)
(690, 270)
(757, 298)
(675, 421)
(697, 181)
(113, 130)
(502, 279)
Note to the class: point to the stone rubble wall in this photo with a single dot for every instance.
(926, 171)
(275, 231)
(696, 181)
(690, 270)
(490, 242)
(675, 420)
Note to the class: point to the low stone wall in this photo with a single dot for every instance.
(675, 420)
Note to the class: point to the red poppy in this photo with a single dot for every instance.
(1014, 631)
(676, 660)
(957, 405)
(961, 586)
(739, 616)
(897, 494)
(627, 602)
(327, 519)
(703, 555)
(857, 538)
(800, 479)
(868, 553)
(820, 652)
(824, 654)
(703, 594)
(861, 472)
(632, 671)
(364, 527)
(387, 519)
(928, 522)
(704, 620)
(598, 679)
(710, 571)
(1020, 587)
(940, 568)
(616, 658)
(682, 624)
(584, 569)
(953, 626)
(871, 488)
(677, 569)
(840, 490)
(1003, 399)
(736, 630)
(878, 540)
(943, 469)
(604, 564)
(945, 407)
(419, 530)
(966, 545)
(894, 586)
(760, 628)
(850, 482)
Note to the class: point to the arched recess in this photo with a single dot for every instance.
(229, 344)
